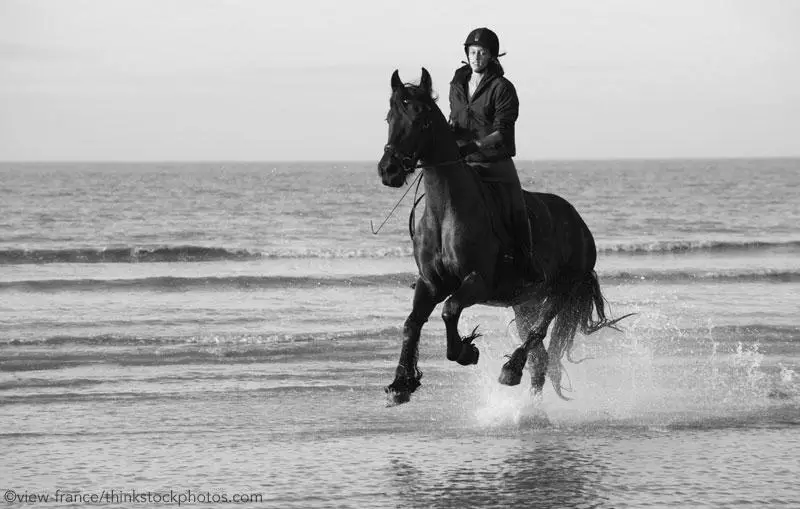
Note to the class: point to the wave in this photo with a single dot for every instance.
(170, 283)
(731, 276)
(56, 352)
(182, 284)
(771, 332)
(128, 254)
(239, 345)
(764, 333)
(683, 246)
(203, 341)
(42, 383)
(161, 254)
(139, 254)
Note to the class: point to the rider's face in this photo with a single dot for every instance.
(479, 58)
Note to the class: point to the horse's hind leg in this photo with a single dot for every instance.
(407, 375)
(473, 289)
(532, 324)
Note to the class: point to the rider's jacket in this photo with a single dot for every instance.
(493, 107)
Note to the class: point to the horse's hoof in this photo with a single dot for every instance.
(397, 397)
(510, 377)
(400, 390)
(511, 374)
(469, 355)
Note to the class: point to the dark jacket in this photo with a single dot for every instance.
(493, 107)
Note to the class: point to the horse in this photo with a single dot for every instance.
(462, 261)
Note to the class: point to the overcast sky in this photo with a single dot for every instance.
(309, 80)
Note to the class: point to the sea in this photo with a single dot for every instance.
(217, 334)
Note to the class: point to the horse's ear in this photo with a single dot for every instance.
(396, 81)
(425, 82)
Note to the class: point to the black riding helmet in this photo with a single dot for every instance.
(483, 37)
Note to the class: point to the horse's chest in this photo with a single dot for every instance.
(443, 255)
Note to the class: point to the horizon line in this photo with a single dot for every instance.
(369, 161)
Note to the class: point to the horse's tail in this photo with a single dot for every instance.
(580, 305)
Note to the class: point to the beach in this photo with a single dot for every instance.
(227, 330)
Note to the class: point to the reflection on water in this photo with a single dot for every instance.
(511, 473)
(599, 468)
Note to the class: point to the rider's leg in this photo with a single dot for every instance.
(522, 224)
(505, 173)
(522, 234)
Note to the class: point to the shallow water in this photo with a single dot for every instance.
(199, 327)
(305, 432)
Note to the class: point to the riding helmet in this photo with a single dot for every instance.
(483, 37)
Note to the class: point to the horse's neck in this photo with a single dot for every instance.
(448, 183)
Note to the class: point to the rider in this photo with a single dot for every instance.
(483, 109)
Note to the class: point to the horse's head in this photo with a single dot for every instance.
(411, 112)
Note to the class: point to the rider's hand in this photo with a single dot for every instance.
(467, 149)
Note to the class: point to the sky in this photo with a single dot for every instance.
(147, 80)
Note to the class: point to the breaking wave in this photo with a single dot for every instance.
(137, 254)
(161, 254)
(683, 246)
(182, 284)
(56, 352)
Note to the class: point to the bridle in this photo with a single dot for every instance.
(409, 163)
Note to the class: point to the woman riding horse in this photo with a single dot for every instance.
(459, 252)
(483, 109)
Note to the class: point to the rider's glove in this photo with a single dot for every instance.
(467, 149)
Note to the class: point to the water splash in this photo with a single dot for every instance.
(657, 372)
(787, 386)
(748, 360)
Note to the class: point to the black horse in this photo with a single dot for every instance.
(461, 256)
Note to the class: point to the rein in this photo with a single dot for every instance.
(418, 180)
(372, 227)
(413, 209)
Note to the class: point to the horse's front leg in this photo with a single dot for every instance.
(473, 289)
(407, 375)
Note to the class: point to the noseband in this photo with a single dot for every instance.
(407, 162)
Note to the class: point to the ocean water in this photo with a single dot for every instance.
(211, 332)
